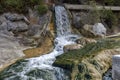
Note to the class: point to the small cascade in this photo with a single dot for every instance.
(62, 21)
(40, 68)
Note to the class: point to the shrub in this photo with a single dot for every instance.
(13, 5)
(109, 2)
(110, 18)
(19, 5)
(42, 9)
(117, 2)
(94, 14)
(36, 1)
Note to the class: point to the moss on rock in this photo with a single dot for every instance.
(92, 60)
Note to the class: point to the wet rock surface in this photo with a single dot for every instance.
(108, 75)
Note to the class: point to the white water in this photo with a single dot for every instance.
(63, 37)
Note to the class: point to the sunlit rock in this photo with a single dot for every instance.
(72, 47)
(83, 41)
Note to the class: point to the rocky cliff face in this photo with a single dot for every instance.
(19, 32)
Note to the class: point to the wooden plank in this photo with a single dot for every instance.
(88, 7)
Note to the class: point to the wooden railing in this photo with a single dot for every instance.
(88, 7)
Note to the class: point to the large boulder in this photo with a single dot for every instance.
(10, 49)
(99, 29)
(96, 30)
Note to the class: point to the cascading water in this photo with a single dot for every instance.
(40, 68)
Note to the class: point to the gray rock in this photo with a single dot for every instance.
(34, 29)
(116, 67)
(13, 17)
(17, 26)
(9, 49)
(77, 20)
(0, 22)
(3, 26)
(2, 19)
(99, 29)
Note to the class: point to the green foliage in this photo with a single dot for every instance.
(21, 5)
(110, 18)
(42, 9)
(109, 2)
(13, 3)
(112, 2)
(117, 2)
(16, 5)
(94, 14)
(37, 1)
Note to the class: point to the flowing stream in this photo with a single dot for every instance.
(40, 68)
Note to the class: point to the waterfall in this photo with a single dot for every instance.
(40, 68)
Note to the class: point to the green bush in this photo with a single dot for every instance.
(109, 2)
(42, 9)
(117, 2)
(19, 5)
(13, 2)
(110, 18)
(36, 1)
(13, 5)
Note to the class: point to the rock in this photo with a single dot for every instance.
(86, 31)
(34, 30)
(9, 49)
(2, 19)
(33, 17)
(81, 18)
(13, 17)
(99, 29)
(72, 47)
(77, 20)
(83, 41)
(17, 26)
(0, 22)
(3, 26)
(116, 67)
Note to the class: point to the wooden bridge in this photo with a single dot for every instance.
(88, 7)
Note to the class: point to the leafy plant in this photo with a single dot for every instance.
(42, 9)
(110, 18)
